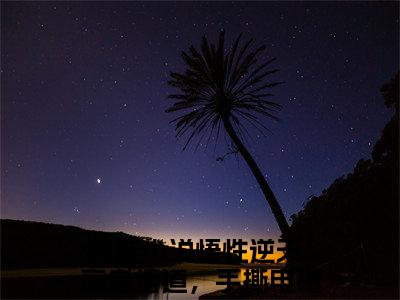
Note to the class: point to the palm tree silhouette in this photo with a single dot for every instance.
(225, 87)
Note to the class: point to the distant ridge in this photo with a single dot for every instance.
(29, 244)
(76, 228)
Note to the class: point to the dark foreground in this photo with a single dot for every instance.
(141, 284)
(81, 286)
(328, 292)
(106, 283)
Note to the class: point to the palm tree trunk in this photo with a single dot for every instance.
(269, 195)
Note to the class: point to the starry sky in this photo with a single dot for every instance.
(86, 140)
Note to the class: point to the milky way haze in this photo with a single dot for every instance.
(86, 140)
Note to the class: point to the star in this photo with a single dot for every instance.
(98, 180)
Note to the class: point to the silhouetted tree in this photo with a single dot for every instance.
(385, 145)
(390, 92)
(226, 87)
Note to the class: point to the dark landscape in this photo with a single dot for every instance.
(51, 260)
(199, 150)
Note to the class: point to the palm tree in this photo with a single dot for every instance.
(225, 87)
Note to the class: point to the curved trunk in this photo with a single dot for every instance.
(269, 195)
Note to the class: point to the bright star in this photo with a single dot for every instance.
(98, 180)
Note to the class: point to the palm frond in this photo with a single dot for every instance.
(220, 84)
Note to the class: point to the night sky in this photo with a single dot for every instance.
(86, 140)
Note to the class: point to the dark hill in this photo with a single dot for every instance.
(27, 244)
(351, 231)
